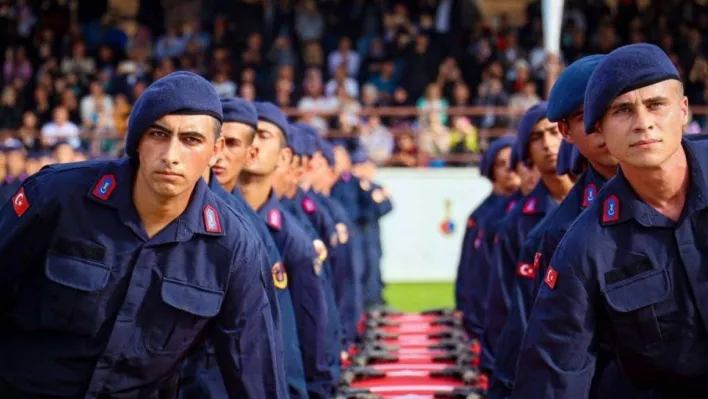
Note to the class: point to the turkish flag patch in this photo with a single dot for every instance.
(471, 223)
(526, 270)
(274, 219)
(551, 277)
(20, 202)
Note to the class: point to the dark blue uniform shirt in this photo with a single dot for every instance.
(466, 272)
(283, 313)
(625, 269)
(512, 233)
(482, 264)
(91, 305)
(304, 272)
(347, 287)
(539, 246)
(305, 210)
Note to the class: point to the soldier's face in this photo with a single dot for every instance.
(544, 143)
(507, 179)
(643, 127)
(529, 177)
(592, 146)
(175, 151)
(238, 152)
(269, 142)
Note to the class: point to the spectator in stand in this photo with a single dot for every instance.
(309, 23)
(342, 79)
(95, 105)
(526, 98)
(16, 65)
(79, 63)
(464, 139)
(224, 86)
(386, 80)
(170, 45)
(432, 104)
(61, 129)
(344, 55)
(405, 152)
(28, 133)
(376, 140)
(10, 112)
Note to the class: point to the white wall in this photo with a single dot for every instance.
(414, 247)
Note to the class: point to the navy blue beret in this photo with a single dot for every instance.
(295, 141)
(565, 153)
(625, 69)
(488, 160)
(269, 112)
(179, 92)
(532, 116)
(568, 92)
(239, 110)
(327, 150)
(307, 135)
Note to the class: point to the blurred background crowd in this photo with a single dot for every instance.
(413, 83)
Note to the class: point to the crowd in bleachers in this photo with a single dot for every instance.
(71, 75)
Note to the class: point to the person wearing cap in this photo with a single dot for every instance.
(537, 144)
(317, 183)
(15, 168)
(201, 376)
(371, 196)
(565, 107)
(141, 261)
(472, 277)
(631, 269)
(260, 183)
(379, 202)
(320, 228)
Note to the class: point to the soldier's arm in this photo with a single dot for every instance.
(310, 308)
(557, 356)
(26, 224)
(244, 334)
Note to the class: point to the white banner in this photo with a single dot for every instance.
(415, 249)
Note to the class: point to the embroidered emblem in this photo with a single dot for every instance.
(274, 219)
(280, 276)
(611, 209)
(589, 195)
(551, 277)
(212, 224)
(308, 205)
(19, 202)
(104, 188)
(530, 206)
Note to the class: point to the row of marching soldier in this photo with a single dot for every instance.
(584, 274)
(229, 253)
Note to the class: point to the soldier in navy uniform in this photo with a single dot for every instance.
(114, 270)
(473, 275)
(259, 183)
(537, 144)
(631, 270)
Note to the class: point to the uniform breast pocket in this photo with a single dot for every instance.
(72, 296)
(183, 312)
(632, 308)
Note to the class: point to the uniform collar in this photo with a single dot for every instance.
(538, 201)
(271, 203)
(620, 203)
(114, 188)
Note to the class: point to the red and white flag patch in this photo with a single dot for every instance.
(551, 277)
(19, 202)
(526, 270)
